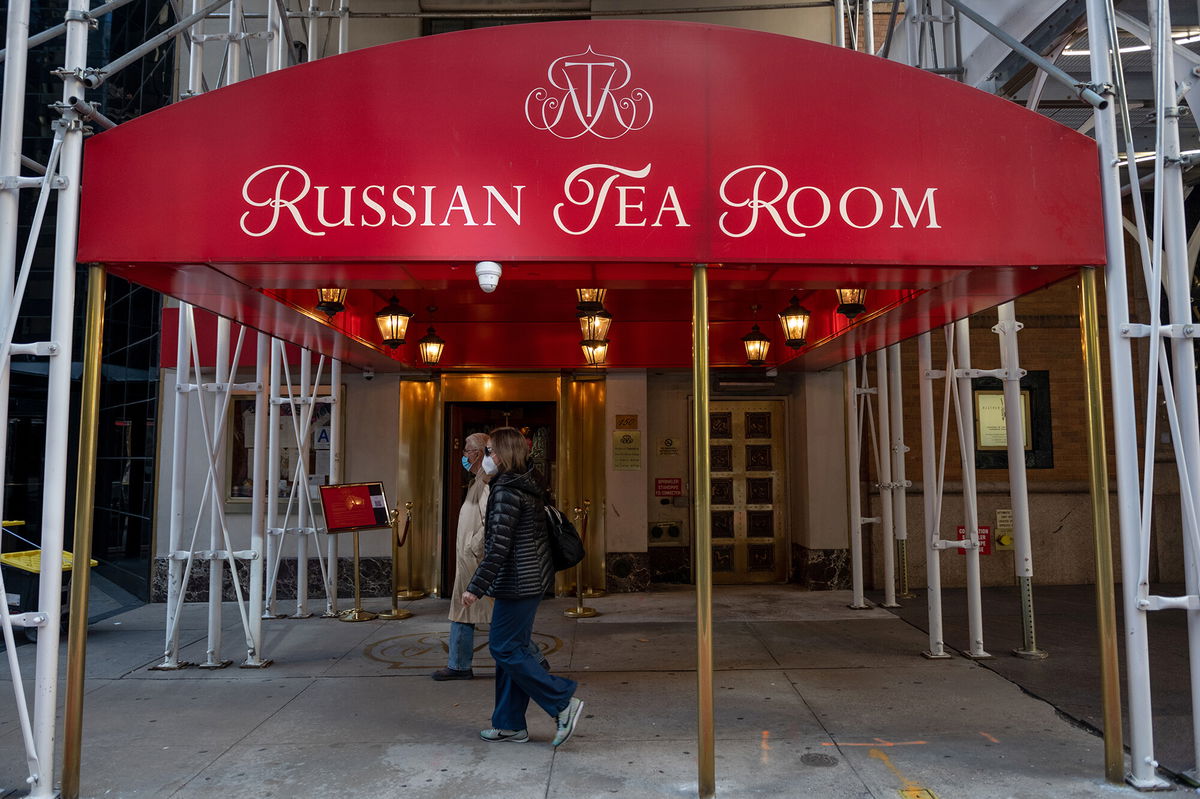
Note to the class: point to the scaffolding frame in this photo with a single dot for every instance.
(1169, 266)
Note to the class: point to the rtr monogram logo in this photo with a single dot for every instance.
(587, 98)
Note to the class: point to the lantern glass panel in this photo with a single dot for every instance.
(590, 296)
(431, 346)
(594, 324)
(594, 352)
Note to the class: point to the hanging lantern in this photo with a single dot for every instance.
(595, 352)
(393, 322)
(590, 296)
(794, 319)
(594, 323)
(850, 302)
(431, 346)
(756, 345)
(331, 301)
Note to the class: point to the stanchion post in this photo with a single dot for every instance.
(84, 500)
(357, 613)
(409, 592)
(396, 612)
(1106, 610)
(592, 592)
(579, 611)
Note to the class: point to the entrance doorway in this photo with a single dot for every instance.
(535, 419)
(749, 493)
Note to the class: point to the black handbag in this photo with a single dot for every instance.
(566, 545)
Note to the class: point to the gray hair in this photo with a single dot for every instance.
(480, 440)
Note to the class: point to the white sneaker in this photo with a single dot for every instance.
(567, 720)
(512, 736)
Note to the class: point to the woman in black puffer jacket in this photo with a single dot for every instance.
(517, 571)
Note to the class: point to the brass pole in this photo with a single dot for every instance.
(395, 612)
(702, 523)
(1106, 612)
(85, 491)
(579, 611)
(409, 592)
(357, 613)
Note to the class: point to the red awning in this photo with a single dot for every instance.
(607, 153)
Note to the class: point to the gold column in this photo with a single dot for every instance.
(84, 499)
(1106, 612)
(702, 524)
(419, 480)
(581, 467)
(592, 464)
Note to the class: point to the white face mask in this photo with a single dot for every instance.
(489, 465)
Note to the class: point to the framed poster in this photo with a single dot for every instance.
(240, 453)
(354, 506)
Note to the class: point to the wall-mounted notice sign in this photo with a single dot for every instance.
(668, 486)
(354, 506)
(627, 450)
(985, 539)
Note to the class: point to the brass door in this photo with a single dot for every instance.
(749, 492)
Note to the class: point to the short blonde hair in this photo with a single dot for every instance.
(510, 450)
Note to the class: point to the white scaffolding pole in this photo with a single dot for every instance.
(175, 564)
(853, 449)
(1177, 280)
(335, 469)
(966, 445)
(301, 486)
(275, 535)
(931, 495)
(1018, 488)
(883, 470)
(58, 404)
(900, 483)
(216, 521)
(259, 498)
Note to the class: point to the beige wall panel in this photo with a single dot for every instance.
(668, 395)
(626, 510)
(815, 24)
(822, 468)
(371, 420)
(370, 32)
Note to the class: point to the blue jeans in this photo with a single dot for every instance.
(519, 675)
(462, 646)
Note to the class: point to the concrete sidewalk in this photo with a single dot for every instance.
(812, 700)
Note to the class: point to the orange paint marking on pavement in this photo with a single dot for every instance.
(878, 742)
(990, 738)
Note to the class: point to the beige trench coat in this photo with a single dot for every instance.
(469, 553)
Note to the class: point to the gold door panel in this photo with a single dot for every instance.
(749, 498)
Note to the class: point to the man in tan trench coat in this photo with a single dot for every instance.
(468, 553)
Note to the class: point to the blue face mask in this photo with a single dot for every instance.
(466, 463)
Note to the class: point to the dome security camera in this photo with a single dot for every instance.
(368, 373)
(488, 273)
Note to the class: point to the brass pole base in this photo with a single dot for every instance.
(398, 613)
(906, 595)
(1031, 654)
(220, 664)
(593, 593)
(357, 614)
(580, 613)
(410, 593)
